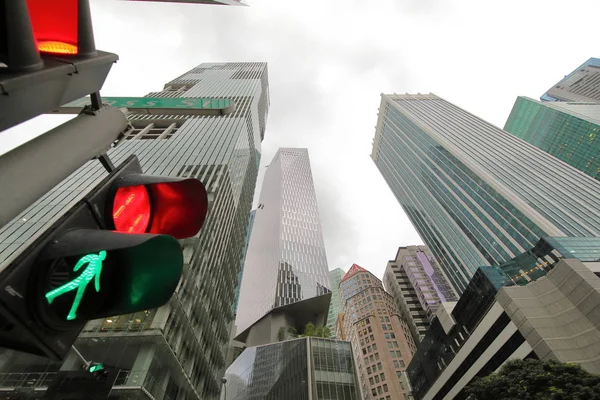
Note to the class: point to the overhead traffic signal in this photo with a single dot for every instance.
(115, 252)
(48, 57)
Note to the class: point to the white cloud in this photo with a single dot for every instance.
(328, 63)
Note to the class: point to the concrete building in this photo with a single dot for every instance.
(543, 304)
(476, 194)
(307, 368)
(286, 261)
(336, 307)
(583, 84)
(176, 351)
(380, 338)
(570, 131)
(418, 286)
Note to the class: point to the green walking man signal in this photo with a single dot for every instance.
(93, 269)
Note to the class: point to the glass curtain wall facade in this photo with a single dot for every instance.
(286, 260)
(241, 274)
(176, 351)
(583, 84)
(568, 131)
(418, 285)
(476, 194)
(381, 339)
(290, 370)
(335, 308)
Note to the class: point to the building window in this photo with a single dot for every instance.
(151, 130)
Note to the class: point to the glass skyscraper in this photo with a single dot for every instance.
(176, 351)
(286, 260)
(335, 307)
(567, 130)
(241, 274)
(298, 369)
(476, 194)
(583, 84)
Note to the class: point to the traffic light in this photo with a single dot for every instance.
(115, 252)
(48, 57)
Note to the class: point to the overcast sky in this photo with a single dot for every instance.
(328, 63)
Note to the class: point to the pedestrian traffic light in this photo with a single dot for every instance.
(115, 252)
(48, 57)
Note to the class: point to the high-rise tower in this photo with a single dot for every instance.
(583, 84)
(285, 261)
(476, 194)
(178, 350)
(381, 339)
(336, 306)
(569, 131)
(419, 286)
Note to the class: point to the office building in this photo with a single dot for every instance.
(286, 278)
(335, 308)
(476, 194)
(176, 351)
(583, 84)
(241, 274)
(569, 131)
(340, 333)
(298, 369)
(418, 285)
(508, 312)
(380, 338)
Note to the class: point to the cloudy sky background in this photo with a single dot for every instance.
(328, 63)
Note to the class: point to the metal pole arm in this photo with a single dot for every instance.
(29, 171)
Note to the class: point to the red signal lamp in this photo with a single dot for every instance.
(131, 209)
(159, 205)
(62, 27)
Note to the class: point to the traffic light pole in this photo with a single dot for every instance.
(31, 170)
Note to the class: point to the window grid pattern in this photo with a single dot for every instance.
(286, 260)
(476, 194)
(381, 339)
(281, 371)
(570, 137)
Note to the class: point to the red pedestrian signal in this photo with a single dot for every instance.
(159, 205)
(113, 253)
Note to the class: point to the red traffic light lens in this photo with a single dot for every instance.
(131, 209)
(55, 25)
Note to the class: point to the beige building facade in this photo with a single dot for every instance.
(381, 339)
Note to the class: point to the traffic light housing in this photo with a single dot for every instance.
(48, 57)
(115, 252)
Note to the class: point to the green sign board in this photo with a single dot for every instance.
(155, 102)
(157, 106)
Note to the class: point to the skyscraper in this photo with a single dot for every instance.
(335, 308)
(298, 369)
(178, 350)
(569, 131)
(476, 194)
(241, 274)
(419, 286)
(583, 84)
(286, 261)
(381, 339)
